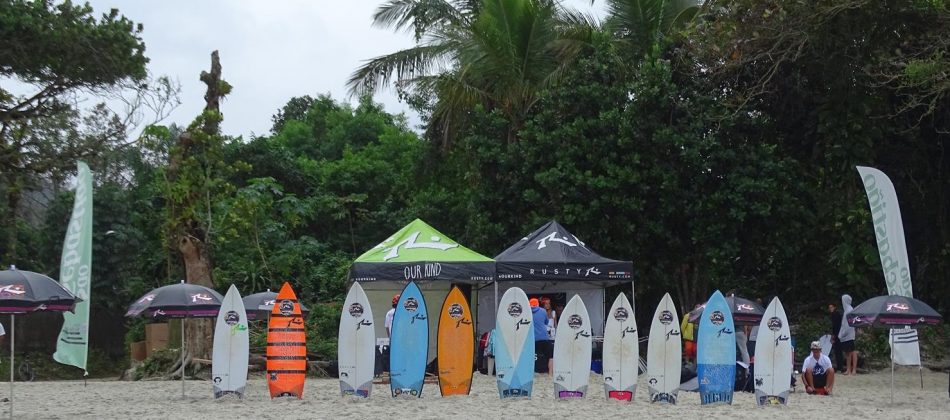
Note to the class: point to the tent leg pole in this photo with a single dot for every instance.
(920, 369)
(496, 300)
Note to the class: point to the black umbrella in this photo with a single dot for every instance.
(260, 305)
(744, 311)
(894, 311)
(23, 292)
(181, 300)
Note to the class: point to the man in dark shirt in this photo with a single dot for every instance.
(835, 344)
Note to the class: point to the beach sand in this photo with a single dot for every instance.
(864, 396)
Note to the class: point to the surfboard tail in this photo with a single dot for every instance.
(361, 391)
(663, 397)
(715, 398)
(625, 394)
(764, 399)
(561, 392)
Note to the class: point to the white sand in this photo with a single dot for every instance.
(861, 397)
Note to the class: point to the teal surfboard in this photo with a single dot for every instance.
(716, 352)
(514, 345)
(409, 344)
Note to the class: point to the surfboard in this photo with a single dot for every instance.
(773, 357)
(286, 346)
(664, 353)
(409, 344)
(514, 345)
(456, 345)
(356, 348)
(572, 348)
(230, 352)
(621, 351)
(716, 352)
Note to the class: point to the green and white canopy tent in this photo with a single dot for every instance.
(419, 253)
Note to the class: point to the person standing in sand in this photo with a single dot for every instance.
(846, 338)
(543, 347)
(817, 373)
(835, 343)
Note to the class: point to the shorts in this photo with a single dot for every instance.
(543, 351)
(847, 346)
(818, 391)
(690, 349)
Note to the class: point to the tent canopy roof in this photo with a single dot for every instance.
(419, 252)
(553, 253)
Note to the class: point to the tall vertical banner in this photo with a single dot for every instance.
(72, 348)
(889, 231)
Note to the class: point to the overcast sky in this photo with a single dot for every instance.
(270, 51)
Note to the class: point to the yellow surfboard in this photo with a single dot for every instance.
(286, 346)
(456, 347)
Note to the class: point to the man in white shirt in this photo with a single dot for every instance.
(389, 316)
(817, 373)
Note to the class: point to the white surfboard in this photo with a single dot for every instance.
(230, 351)
(621, 351)
(773, 357)
(572, 348)
(356, 346)
(514, 345)
(664, 353)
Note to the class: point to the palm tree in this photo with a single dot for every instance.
(498, 54)
(638, 26)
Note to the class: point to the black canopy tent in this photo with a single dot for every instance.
(553, 260)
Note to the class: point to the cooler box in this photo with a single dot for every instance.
(597, 366)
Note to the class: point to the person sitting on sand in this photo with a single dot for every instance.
(817, 373)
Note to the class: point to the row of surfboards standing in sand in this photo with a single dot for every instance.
(514, 349)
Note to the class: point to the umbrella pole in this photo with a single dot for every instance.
(183, 358)
(892, 376)
(12, 339)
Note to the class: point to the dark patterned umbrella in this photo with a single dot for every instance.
(893, 311)
(180, 300)
(23, 292)
(744, 311)
(260, 305)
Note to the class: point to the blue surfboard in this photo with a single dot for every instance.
(514, 345)
(409, 344)
(716, 352)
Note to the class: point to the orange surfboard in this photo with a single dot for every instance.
(286, 346)
(456, 347)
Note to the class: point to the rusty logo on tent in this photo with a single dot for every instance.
(897, 307)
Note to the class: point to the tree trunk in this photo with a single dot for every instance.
(193, 239)
(8, 227)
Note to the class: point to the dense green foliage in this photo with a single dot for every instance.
(715, 148)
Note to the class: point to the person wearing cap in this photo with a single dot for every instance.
(817, 373)
(543, 347)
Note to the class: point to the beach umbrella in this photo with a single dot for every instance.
(262, 304)
(180, 300)
(744, 311)
(894, 312)
(23, 292)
